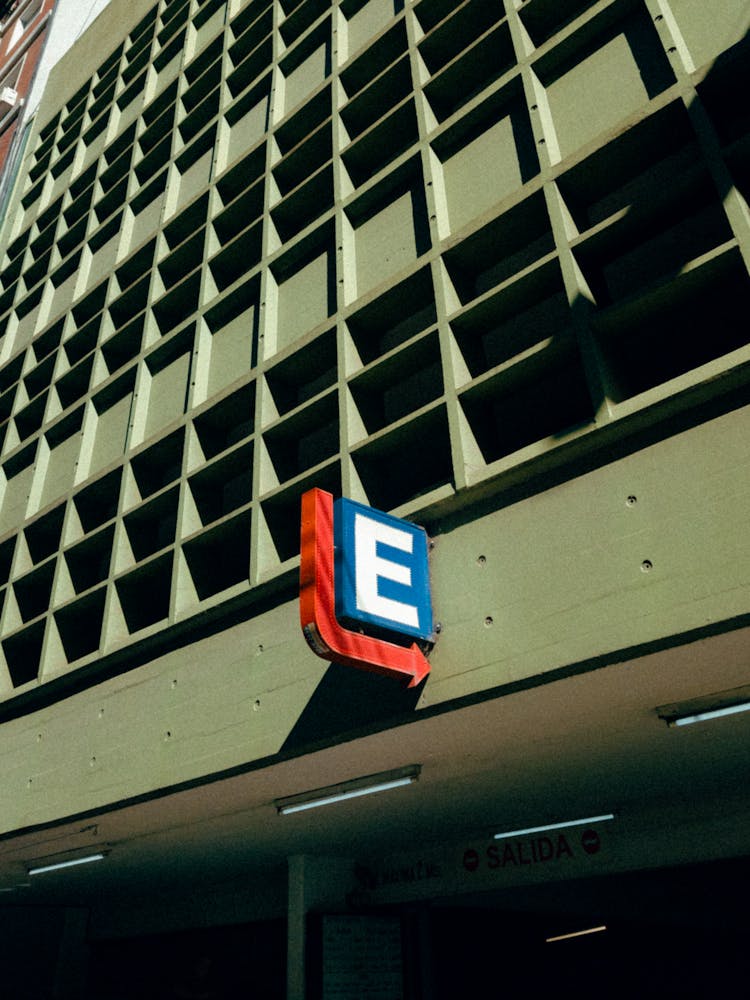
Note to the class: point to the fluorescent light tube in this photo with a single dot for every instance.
(575, 934)
(555, 826)
(53, 866)
(348, 790)
(713, 713)
(327, 800)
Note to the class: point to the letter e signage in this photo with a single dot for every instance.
(364, 587)
(381, 572)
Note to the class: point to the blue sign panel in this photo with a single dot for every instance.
(381, 572)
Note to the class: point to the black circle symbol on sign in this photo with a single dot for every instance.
(590, 841)
(471, 860)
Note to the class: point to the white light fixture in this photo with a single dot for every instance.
(586, 821)
(576, 934)
(42, 866)
(353, 789)
(711, 713)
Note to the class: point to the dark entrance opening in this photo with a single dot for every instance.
(212, 963)
(669, 932)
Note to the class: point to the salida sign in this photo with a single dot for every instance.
(531, 851)
(507, 861)
(364, 587)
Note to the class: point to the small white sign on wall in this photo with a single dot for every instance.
(362, 958)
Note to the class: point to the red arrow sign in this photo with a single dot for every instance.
(317, 605)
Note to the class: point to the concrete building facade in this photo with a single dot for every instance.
(480, 264)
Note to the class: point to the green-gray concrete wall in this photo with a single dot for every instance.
(480, 264)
